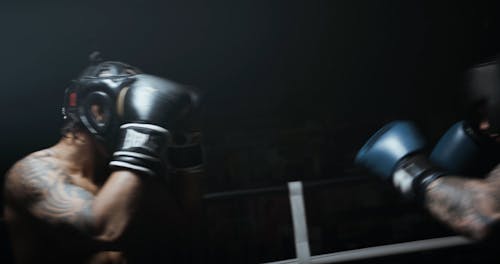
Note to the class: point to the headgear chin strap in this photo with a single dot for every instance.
(92, 98)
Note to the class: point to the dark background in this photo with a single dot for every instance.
(293, 88)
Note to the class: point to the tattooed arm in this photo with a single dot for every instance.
(469, 206)
(40, 188)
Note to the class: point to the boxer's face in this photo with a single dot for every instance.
(485, 128)
(99, 117)
(97, 113)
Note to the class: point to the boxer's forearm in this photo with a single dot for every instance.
(115, 204)
(470, 207)
(38, 187)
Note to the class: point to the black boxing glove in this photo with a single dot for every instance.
(185, 154)
(150, 107)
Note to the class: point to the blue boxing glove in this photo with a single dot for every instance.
(395, 153)
(463, 150)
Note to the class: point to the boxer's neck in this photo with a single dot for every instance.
(80, 153)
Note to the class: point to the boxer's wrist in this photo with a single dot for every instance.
(140, 149)
(413, 175)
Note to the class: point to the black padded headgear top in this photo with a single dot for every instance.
(483, 93)
(106, 69)
(91, 98)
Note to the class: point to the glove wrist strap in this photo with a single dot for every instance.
(141, 147)
(413, 175)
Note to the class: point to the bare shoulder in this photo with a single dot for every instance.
(29, 177)
(494, 176)
(40, 186)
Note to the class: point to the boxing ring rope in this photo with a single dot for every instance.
(382, 251)
(302, 249)
(278, 189)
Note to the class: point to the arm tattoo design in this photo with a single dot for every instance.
(46, 191)
(466, 205)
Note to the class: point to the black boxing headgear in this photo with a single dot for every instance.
(483, 93)
(91, 98)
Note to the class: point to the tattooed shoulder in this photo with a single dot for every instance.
(27, 179)
(42, 187)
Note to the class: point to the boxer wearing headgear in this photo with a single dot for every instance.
(471, 146)
(97, 196)
(451, 182)
(483, 96)
(91, 99)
